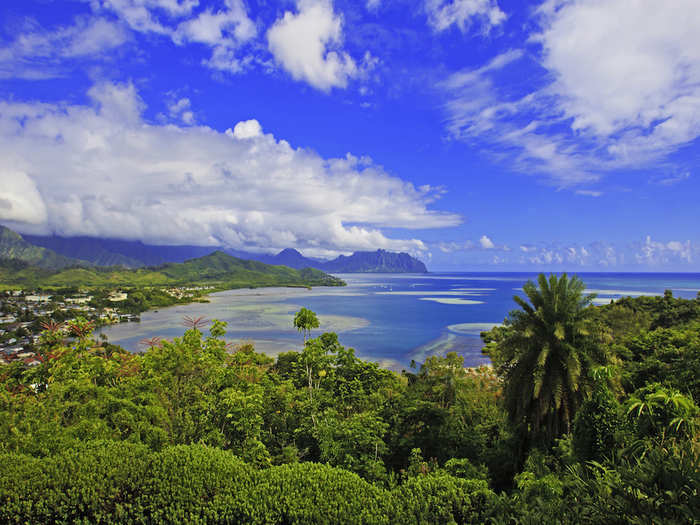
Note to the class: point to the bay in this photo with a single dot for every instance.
(391, 319)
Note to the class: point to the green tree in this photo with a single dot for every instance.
(545, 353)
(305, 320)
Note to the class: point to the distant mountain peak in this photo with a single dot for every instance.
(290, 251)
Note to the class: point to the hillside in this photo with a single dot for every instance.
(116, 252)
(218, 269)
(95, 251)
(14, 246)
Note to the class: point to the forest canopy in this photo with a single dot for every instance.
(588, 415)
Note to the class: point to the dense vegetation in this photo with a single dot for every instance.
(588, 415)
(219, 269)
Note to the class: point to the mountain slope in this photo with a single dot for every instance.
(217, 269)
(87, 249)
(14, 246)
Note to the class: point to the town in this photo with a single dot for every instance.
(25, 313)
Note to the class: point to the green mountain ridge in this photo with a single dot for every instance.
(218, 269)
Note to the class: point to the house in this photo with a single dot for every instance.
(79, 300)
(117, 296)
(40, 298)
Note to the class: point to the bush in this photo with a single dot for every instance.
(197, 484)
(96, 482)
(307, 493)
(442, 499)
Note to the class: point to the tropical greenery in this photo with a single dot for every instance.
(607, 432)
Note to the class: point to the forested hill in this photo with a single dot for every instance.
(13, 246)
(217, 269)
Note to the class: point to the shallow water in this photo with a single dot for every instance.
(390, 319)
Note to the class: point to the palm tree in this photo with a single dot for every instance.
(545, 354)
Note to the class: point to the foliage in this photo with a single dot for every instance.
(197, 430)
(545, 354)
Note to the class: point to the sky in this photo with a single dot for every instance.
(473, 134)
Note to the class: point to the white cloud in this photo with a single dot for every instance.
(486, 243)
(247, 129)
(654, 253)
(144, 15)
(308, 45)
(450, 247)
(621, 89)
(181, 109)
(38, 53)
(102, 170)
(442, 14)
(20, 201)
(224, 31)
(373, 5)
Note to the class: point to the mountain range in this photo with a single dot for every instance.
(135, 254)
(218, 270)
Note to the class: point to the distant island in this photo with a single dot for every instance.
(135, 254)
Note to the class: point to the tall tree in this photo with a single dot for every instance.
(545, 353)
(305, 320)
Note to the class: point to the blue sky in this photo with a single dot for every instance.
(475, 134)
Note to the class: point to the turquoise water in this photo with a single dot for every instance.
(391, 319)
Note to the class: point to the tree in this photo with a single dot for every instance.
(544, 353)
(305, 320)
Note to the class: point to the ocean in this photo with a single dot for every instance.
(391, 319)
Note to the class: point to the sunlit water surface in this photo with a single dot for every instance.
(388, 318)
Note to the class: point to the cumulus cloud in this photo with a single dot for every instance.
(648, 254)
(20, 201)
(620, 88)
(224, 31)
(443, 14)
(246, 129)
(486, 243)
(307, 44)
(102, 170)
(655, 253)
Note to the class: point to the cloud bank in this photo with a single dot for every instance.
(102, 170)
(619, 88)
